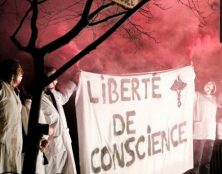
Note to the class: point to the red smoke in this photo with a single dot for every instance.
(179, 33)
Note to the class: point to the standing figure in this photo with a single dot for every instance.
(204, 134)
(11, 74)
(59, 151)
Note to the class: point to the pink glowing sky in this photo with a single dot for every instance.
(179, 34)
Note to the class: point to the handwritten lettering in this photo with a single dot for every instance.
(125, 89)
(125, 154)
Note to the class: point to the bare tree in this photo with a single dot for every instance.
(199, 8)
(93, 13)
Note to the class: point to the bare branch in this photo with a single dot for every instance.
(13, 37)
(18, 44)
(97, 42)
(42, 1)
(159, 5)
(146, 13)
(107, 18)
(66, 38)
(55, 13)
(59, 20)
(87, 8)
(195, 8)
(34, 28)
(101, 8)
(21, 22)
(55, 16)
(39, 2)
(140, 30)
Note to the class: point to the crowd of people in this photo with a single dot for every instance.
(55, 149)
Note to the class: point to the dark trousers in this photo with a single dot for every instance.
(203, 150)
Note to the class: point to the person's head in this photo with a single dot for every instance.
(11, 72)
(210, 88)
(49, 71)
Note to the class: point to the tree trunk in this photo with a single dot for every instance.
(35, 130)
(34, 135)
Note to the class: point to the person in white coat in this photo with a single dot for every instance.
(11, 74)
(204, 124)
(59, 151)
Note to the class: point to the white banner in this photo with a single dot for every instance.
(136, 124)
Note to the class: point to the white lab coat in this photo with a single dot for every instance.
(59, 151)
(10, 130)
(204, 124)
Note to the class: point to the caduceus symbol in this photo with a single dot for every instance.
(178, 86)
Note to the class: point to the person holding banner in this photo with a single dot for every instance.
(204, 133)
(59, 151)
